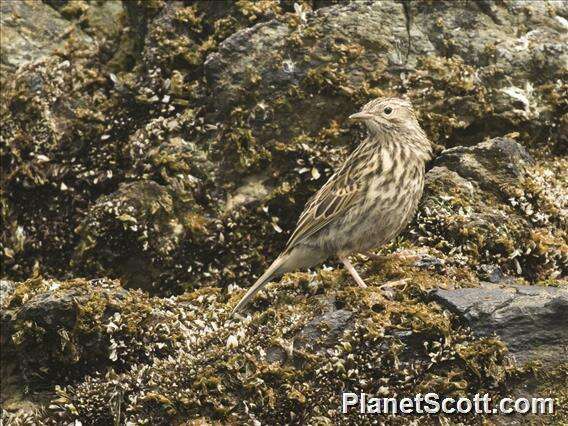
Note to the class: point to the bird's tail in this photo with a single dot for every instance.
(278, 267)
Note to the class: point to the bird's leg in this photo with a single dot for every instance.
(353, 272)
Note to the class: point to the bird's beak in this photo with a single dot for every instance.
(360, 116)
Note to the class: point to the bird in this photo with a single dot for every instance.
(369, 199)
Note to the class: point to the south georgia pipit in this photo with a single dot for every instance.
(367, 202)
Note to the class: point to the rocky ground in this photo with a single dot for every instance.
(155, 158)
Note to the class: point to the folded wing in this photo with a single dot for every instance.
(345, 190)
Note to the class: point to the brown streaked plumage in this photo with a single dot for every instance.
(367, 201)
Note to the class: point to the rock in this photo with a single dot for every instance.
(491, 164)
(141, 227)
(426, 261)
(460, 81)
(493, 274)
(31, 31)
(329, 326)
(531, 320)
(319, 335)
(321, 65)
(491, 204)
(85, 326)
(205, 99)
(7, 288)
(489, 50)
(49, 319)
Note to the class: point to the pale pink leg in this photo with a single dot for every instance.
(353, 272)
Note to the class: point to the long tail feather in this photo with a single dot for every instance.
(276, 269)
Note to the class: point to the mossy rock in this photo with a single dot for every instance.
(183, 359)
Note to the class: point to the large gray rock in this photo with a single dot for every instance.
(460, 63)
(531, 320)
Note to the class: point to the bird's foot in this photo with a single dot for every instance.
(396, 283)
(375, 257)
(404, 255)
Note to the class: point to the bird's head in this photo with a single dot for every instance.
(383, 114)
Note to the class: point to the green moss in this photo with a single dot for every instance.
(28, 288)
(240, 147)
(438, 81)
(553, 383)
(324, 79)
(90, 314)
(74, 9)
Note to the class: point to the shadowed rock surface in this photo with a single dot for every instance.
(169, 156)
(530, 320)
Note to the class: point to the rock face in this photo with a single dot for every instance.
(81, 326)
(170, 147)
(33, 30)
(490, 164)
(193, 100)
(530, 320)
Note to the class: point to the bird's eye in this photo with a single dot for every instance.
(387, 110)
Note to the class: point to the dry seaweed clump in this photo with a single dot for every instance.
(306, 341)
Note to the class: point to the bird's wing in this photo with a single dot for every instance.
(345, 189)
